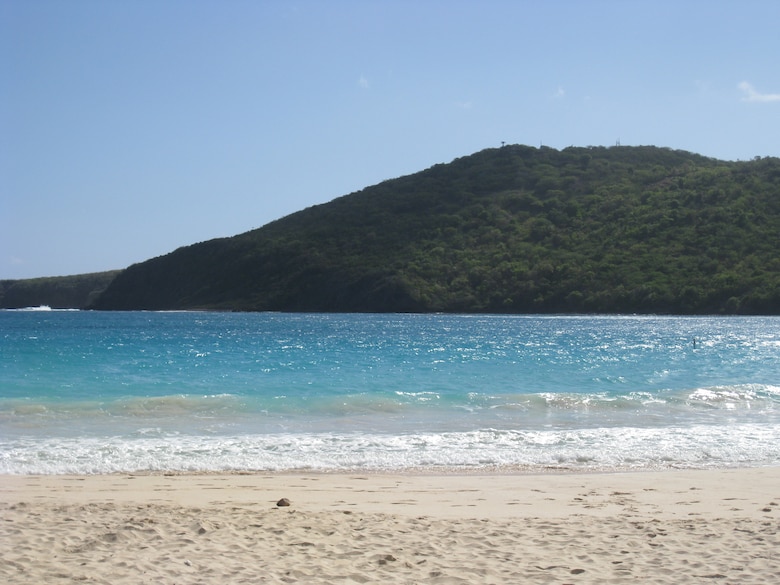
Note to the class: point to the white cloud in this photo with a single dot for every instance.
(559, 93)
(751, 95)
(463, 105)
(363, 82)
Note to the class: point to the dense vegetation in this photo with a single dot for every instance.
(60, 292)
(512, 229)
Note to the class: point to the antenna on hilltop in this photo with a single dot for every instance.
(618, 142)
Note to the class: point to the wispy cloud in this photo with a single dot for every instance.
(363, 82)
(463, 105)
(558, 94)
(751, 95)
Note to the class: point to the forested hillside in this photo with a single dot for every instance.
(63, 292)
(514, 229)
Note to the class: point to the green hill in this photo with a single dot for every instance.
(509, 230)
(59, 292)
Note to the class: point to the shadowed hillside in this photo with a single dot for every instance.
(515, 229)
(59, 292)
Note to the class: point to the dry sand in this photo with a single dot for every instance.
(666, 527)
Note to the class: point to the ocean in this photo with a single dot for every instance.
(102, 392)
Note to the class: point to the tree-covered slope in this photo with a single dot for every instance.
(60, 292)
(513, 229)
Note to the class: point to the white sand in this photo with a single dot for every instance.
(717, 526)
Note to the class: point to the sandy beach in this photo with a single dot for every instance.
(712, 526)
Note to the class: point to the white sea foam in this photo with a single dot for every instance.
(41, 308)
(583, 449)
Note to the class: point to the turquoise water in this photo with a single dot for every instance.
(91, 392)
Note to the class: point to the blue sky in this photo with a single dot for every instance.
(130, 128)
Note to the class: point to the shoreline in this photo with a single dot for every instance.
(669, 526)
(496, 493)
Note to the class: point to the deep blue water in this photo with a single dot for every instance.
(93, 392)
